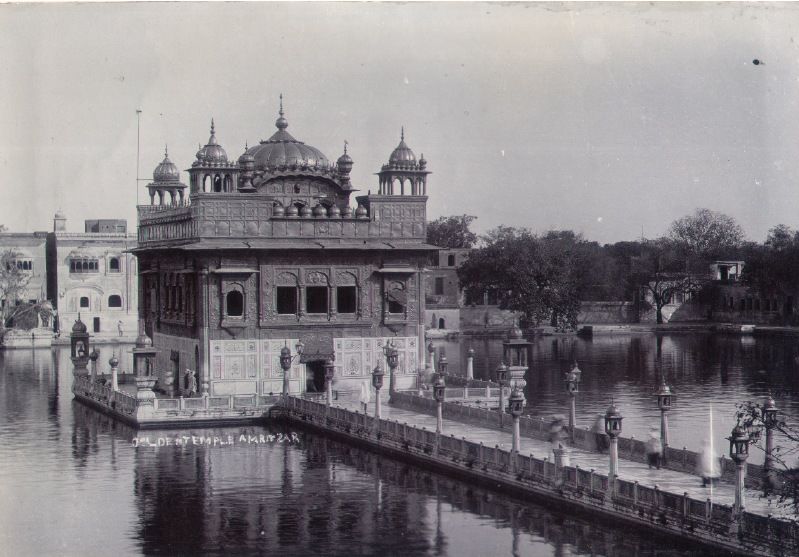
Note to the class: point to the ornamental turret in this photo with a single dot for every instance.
(403, 175)
(166, 184)
(211, 171)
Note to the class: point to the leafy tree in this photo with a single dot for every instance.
(3, 228)
(784, 479)
(452, 232)
(13, 282)
(542, 277)
(706, 234)
(771, 268)
(660, 270)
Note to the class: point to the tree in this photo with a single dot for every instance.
(706, 234)
(771, 268)
(452, 232)
(784, 480)
(13, 281)
(661, 271)
(541, 277)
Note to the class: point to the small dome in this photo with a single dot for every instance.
(166, 171)
(212, 153)
(278, 211)
(334, 211)
(347, 212)
(305, 211)
(361, 211)
(402, 154)
(59, 215)
(422, 162)
(344, 162)
(320, 211)
(79, 326)
(291, 211)
(246, 158)
(143, 341)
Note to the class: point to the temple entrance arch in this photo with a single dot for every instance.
(315, 376)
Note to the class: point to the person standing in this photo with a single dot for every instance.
(365, 396)
(119, 327)
(653, 449)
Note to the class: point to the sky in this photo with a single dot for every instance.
(612, 120)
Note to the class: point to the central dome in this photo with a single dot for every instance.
(283, 151)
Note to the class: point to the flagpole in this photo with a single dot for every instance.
(138, 135)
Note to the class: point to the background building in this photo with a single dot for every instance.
(27, 251)
(94, 274)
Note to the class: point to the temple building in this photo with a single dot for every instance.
(273, 248)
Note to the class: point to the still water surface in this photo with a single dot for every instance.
(72, 483)
(711, 375)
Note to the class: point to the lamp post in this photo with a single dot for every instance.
(114, 363)
(330, 371)
(377, 383)
(442, 365)
(502, 377)
(431, 357)
(79, 344)
(392, 355)
(439, 393)
(665, 399)
(94, 355)
(572, 381)
(470, 364)
(770, 421)
(514, 355)
(516, 403)
(739, 451)
(286, 359)
(613, 420)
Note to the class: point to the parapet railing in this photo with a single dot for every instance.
(126, 404)
(630, 448)
(103, 394)
(461, 381)
(679, 512)
(460, 393)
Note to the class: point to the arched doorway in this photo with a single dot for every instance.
(315, 376)
(441, 323)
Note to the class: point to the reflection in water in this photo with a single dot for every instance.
(73, 484)
(724, 370)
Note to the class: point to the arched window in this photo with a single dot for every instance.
(234, 304)
(450, 260)
(441, 323)
(84, 301)
(113, 265)
(206, 183)
(217, 183)
(114, 301)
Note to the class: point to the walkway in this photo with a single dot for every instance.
(665, 480)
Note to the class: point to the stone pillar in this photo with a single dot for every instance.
(470, 364)
(516, 436)
(740, 476)
(768, 464)
(664, 431)
(329, 388)
(439, 417)
(572, 414)
(558, 452)
(205, 368)
(114, 363)
(613, 469)
(378, 414)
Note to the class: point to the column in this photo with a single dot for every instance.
(205, 348)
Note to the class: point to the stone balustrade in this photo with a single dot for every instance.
(630, 448)
(150, 411)
(677, 513)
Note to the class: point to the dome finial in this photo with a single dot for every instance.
(212, 125)
(402, 134)
(281, 123)
(166, 151)
(246, 146)
(345, 146)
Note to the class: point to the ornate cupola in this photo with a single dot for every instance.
(247, 166)
(212, 171)
(166, 180)
(344, 166)
(403, 175)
